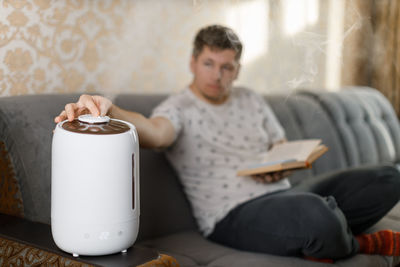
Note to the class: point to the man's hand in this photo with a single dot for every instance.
(271, 177)
(95, 105)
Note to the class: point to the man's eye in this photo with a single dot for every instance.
(228, 68)
(208, 63)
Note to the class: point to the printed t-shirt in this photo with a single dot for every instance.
(212, 142)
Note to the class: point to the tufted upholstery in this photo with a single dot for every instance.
(365, 122)
(298, 115)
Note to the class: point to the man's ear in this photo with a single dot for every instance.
(192, 64)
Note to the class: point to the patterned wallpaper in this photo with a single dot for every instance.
(110, 46)
(56, 46)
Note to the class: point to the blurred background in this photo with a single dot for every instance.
(113, 46)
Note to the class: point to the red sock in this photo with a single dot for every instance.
(385, 242)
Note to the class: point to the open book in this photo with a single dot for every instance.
(287, 156)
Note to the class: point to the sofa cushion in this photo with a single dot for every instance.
(190, 244)
(390, 221)
(192, 249)
(394, 214)
(263, 260)
(164, 208)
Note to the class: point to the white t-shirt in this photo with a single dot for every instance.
(212, 142)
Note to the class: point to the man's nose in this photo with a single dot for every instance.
(217, 73)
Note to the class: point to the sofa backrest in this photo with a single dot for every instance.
(302, 118)
(365, 123)
(164, 206)
(302, 114)
(358, 125)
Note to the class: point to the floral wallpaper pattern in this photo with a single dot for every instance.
(55, 46)
(112, 46)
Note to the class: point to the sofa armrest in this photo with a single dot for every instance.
(10, 194)
(26, 124)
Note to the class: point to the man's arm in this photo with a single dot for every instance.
(157, 132)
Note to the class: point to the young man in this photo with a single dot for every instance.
(212, 129)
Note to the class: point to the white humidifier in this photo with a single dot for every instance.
(95, 186)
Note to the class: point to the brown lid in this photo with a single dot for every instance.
(88, 124)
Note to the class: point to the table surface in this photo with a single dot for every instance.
(39, 235)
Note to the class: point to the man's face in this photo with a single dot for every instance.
(214, 71)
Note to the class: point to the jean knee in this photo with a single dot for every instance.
(329, 232)
(323, 210)
(390, 177)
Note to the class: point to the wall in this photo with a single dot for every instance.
(144, 46)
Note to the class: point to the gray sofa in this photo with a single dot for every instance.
(357, 124)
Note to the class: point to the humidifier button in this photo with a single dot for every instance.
(104, 235)
(93, 120)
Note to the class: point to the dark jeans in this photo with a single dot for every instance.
(318, 218)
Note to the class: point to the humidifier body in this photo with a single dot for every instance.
(95, 186)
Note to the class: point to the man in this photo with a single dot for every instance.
(212, 129)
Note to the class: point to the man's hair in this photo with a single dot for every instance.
(217, 37)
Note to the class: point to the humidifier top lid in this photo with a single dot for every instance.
(88, 124)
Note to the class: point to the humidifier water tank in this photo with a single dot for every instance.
(95, 186)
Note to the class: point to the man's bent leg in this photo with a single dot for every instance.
(364, 195)
(288, 224)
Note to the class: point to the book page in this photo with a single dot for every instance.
(270, 163)
(290, 155)
(292, 150)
